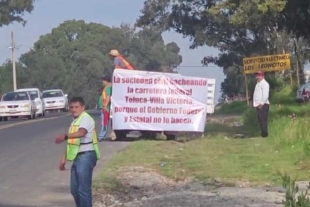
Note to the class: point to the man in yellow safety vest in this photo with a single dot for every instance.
(82, 150)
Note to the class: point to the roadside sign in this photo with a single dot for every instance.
(266, 63)
(211, 95)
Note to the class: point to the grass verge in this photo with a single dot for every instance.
(235, 107)
(219, 155)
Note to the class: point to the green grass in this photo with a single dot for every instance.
(288, 121)
(220, 155)
(236, 107)
(255, 160)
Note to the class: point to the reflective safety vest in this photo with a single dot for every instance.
(104, 93)
(73, 145)
(127, 64)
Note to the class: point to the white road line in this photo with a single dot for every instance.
(31, 121)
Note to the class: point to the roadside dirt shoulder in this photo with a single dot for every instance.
(147, 188)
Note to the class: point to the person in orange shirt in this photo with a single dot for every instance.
(119, 61)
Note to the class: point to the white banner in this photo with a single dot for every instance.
(153, 101)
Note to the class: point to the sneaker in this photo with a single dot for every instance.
(113, 136)
(101, 139)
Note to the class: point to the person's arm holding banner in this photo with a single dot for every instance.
(107, 98)
(107, 104)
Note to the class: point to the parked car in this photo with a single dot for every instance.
(55, 100)
(303, 93)
(17, 104)
(36, 93)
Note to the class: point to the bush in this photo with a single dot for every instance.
(235, 107)
(286, 96)
(293, 196)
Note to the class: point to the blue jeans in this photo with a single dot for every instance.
(81, 178)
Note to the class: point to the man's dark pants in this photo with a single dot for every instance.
(81, 178)
(262, 115)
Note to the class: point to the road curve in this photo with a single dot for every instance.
(29, 159)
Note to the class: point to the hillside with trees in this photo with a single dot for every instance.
(74, 56)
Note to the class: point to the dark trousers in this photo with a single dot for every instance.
(81, 178)
(262, 115)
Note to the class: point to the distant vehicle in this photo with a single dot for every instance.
(36, 93)
(55, 99)
(303, 93)
(17, 104)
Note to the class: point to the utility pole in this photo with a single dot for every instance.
(297, 62)
(13, 61)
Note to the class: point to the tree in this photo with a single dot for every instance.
(14, 10)
(295, 18)
(237, 28)
(215, 24)
(74, 56)
(6, 76)
(151, 52)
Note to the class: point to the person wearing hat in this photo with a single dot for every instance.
(261, 102)
(119, 61)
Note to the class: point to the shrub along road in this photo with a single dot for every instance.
(29, 163)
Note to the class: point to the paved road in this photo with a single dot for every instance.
(29, 161)
(15, 122)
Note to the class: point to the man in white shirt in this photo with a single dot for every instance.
(82, 151)
(261, 102)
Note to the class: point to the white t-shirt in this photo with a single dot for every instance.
(261, 93)
(87, 141)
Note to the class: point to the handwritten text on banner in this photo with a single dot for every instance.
(158, 101)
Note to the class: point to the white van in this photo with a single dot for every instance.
(36, 94)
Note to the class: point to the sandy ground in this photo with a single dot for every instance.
(147, 188)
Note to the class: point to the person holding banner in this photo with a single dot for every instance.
(105, 111)
(261, 102)
(119, 61)
(100, 107)
(100, 102)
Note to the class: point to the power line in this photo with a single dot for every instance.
(4, 49)
(13, 47)
(181, 66)
(2, 53)
(27, 46)
(196, 66)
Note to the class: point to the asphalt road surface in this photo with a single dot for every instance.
(29, 159)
